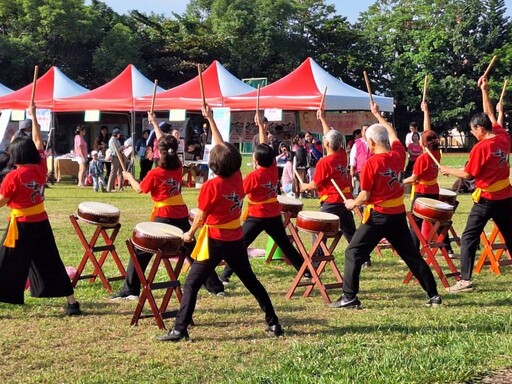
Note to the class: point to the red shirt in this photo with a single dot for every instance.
(380, 176)
(24, 188)
(416, 151)
(221, 200)
(261, 185)
(333, 167)
(165, 183)
(426, 170)
(488, 163)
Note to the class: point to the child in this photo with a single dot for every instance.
(96, 171)
(28, 247)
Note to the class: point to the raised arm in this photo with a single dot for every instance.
(36, 131)
(486, 100)
(154, 123)
(320, 115)
(501, 114)
(426, 116)
(208, 115)
(261, 128)
(376, 112)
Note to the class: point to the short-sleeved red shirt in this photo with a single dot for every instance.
(380, 177)
(24, 188)
(162, 184)
(221, 200)
(333, 167)
(426, 170)
(261, 185)
(488, 163)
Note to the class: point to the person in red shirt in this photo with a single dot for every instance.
(384, 215)
(164, 185)
(28, 247)
(264, 212)
(221, 237)
(333, 166)
(488, 164)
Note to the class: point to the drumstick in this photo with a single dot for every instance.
(503, 92)
(432, 157)
(155, 86)
(368, 87)
(486, 73)
(201, 86)
(33, 95)
(323, 99)
(120, 159)
(425, 85)
(258, 100)
(339, 190)
(298, 176)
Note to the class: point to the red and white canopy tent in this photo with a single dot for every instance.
(303, 88)
(52, 85)
(218, 84)
(5, 90)
(116, 95)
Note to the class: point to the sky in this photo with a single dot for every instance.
(348, 8)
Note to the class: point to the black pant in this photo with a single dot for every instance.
(498, 210)
(273, 226)
(132, 282)
(145, 167)
(235, 253)
(394, 229)
(347, 224)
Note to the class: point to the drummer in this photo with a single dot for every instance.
(28, 248)
(424, 173)
(333, 166)
(221, 238)
(164, 184)
(384, 216)
(264, 212)
(488, 164)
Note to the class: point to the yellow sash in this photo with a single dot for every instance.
(428, 182)
(497, 186)
(200, 252)
(173, 200)
(245, 213)
(12, 233)
(386, 204)
(324, 197)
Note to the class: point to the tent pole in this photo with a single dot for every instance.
(51, 138)
(133, 140)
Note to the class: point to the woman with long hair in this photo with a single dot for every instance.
(80, 153)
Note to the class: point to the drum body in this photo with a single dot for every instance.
(432, 210)
(448, 196)
(314, 221)
(102, 214)
(151, 236)
(290, 205)
(191, 215)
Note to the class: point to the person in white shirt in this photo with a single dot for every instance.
(413, 128)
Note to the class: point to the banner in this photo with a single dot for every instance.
(345, 123)
(222, 117)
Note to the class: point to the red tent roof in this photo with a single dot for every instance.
(52, 85)
(303, 88)
(116, 95)
(218, 84)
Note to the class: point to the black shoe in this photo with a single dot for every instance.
(434, 301)
(307, 275)
(343, 302)
(123, 296)
(103, 189)
(275, 330)
(224, 280)
(368, 264)
(173, 335)
(73, 309)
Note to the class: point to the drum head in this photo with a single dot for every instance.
(98, 208)
(318, 216)
(286, 200)
(158, 230)
(447, 192)
(434, 204)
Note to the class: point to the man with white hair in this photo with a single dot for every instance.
(384, 216)
(333, 166)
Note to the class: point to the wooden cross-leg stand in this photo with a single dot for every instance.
(90, 248)
(493, 251)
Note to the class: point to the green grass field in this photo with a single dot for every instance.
(394, 339)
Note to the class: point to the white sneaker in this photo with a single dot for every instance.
(461, 286)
